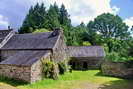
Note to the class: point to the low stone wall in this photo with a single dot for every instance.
(16, 72)
(116, 69)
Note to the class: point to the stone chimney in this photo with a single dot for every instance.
(56, 32)
(9, 28)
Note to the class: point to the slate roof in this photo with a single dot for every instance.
(3, 34)
(86, 51)
(25, 58)
(31, 41)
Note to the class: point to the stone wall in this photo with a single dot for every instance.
(36, 69)
(16, 72)
(117, 69)
(85, 63)
(59, 51)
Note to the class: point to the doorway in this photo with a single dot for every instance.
(85, 66)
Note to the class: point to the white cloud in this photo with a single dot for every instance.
(85, 10)
(79, 10)
(3, 22)
(115, 9)
(129, 21)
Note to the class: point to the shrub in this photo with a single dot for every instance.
(86, 43)
(40, 30)
(113, 57)
(50, 70)
(63, 67)
(116, 57)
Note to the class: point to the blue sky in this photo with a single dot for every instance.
(13, 12)
(126, 8)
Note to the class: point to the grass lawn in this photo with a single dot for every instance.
(91, 79)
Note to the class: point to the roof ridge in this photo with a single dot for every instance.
(87, 46)
(33, 33)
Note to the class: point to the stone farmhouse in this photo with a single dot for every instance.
(21, 55)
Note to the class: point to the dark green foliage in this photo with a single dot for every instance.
(63, 67)
(50, 70)
(64, 17)
(115, 57)
(130, 50)
(35, 19)
(74, 35)
(52, 17)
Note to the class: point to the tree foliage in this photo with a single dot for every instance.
(64, 16)
(52, 16)
(109, 29)
(35, 19)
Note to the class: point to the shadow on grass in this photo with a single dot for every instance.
(12, 81)
(118, 84)
(102, 75)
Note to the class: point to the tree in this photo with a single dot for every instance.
(35, 19)
(131, 31)
(91, 35)
(74, 35)
(130, 50)
(64, 16)
(52, 17)
(111, 28)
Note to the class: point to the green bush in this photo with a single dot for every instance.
(40, 30)
(63, 67)
(112, 56)
(116, 57)
(50, 70)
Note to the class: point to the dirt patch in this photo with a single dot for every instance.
(88, 85)
(7, 87)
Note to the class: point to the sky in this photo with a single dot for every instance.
(13, 12)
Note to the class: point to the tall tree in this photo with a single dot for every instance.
(64, 16)
(35, 19)
(52, 17)
(111, 28)
(91, 35)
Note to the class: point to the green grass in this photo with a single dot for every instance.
(75, 80)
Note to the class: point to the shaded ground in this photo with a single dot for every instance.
(91, 79)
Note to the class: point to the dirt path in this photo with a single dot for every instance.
(86, 85)
(7, 87)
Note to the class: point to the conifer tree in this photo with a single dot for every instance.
(64, 16)
(35, 19)
(52, 17)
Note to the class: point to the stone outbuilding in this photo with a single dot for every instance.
(21, 55)
(86, 57)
